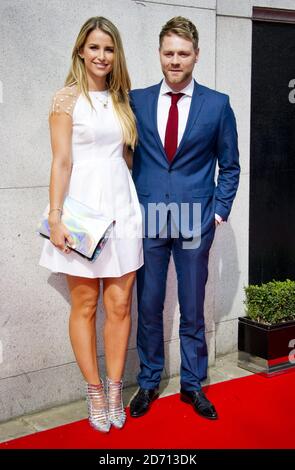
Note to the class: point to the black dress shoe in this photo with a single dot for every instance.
(199, 402)
(141, 403)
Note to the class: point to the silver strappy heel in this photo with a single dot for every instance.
(117, 415)
(97, 407)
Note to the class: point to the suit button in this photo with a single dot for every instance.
(167, 195)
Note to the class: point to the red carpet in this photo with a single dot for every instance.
(254, 412)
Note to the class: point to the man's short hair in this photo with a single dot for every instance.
(183, 28)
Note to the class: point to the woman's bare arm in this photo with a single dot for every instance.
(61, 144)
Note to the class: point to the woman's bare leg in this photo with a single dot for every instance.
(84, 297)
(117, 298)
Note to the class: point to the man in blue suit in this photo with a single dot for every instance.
(184, 130)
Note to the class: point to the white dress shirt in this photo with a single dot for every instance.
(164, 103)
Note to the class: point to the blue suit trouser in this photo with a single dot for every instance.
(192, 273)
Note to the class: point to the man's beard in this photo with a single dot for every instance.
(182, 77)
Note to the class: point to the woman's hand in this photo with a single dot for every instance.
(60, 236)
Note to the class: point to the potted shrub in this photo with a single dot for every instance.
(266, 335)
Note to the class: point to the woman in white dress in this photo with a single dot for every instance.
(92, 129)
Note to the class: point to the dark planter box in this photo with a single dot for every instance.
(265, 348)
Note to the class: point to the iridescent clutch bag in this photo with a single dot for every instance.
(89, 229)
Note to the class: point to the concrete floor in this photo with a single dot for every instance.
(225, 368)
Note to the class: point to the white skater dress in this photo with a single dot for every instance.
(100, 179)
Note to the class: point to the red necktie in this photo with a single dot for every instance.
(171, 134)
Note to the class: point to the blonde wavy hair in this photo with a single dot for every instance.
(118, 80)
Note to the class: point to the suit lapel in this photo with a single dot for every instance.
(195, 108)
(153, 114)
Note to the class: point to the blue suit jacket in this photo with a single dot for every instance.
(210, 136)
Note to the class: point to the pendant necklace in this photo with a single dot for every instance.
(105, 101)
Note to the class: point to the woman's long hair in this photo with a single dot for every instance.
(118, 81)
